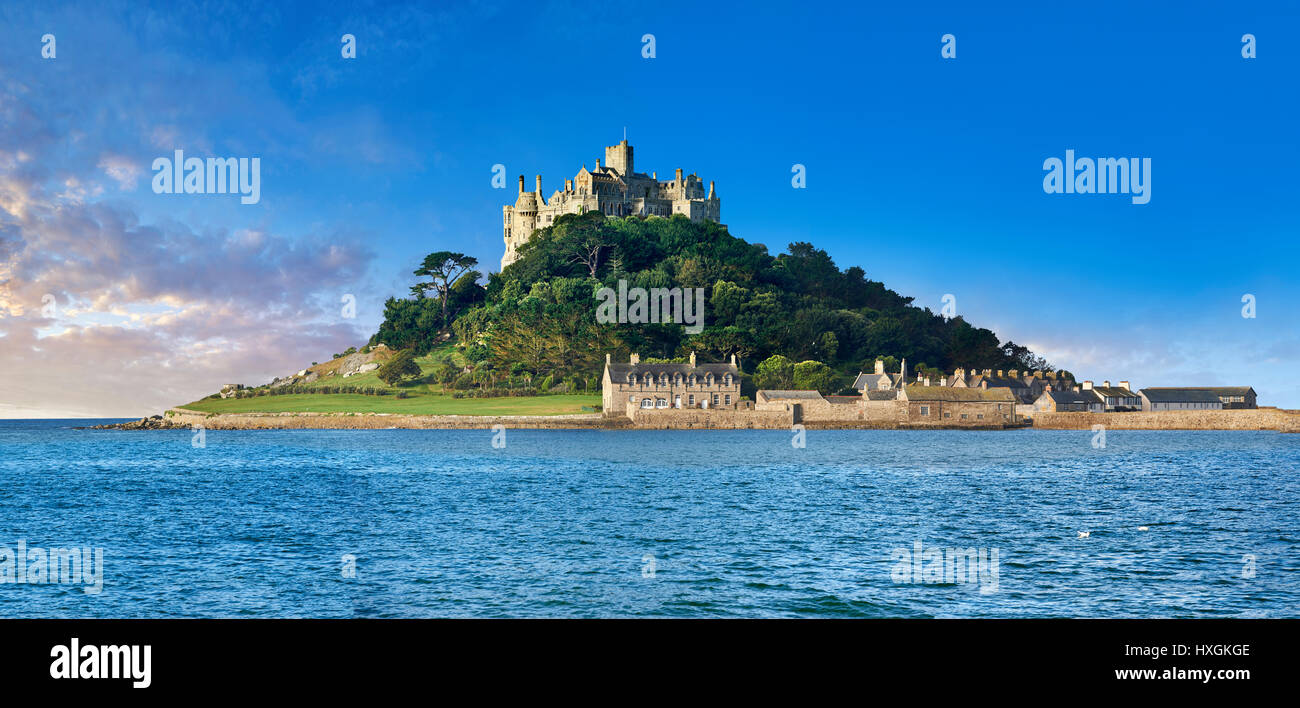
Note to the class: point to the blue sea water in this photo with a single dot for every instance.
(653, 523)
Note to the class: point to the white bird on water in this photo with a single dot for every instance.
(1084, 534)
(1143, 528)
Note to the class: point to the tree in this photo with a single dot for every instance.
(775, 372)
(444, 267)
(399, 367)
(814, 375)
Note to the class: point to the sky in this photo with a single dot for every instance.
(116, 301)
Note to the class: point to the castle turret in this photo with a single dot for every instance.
(619, 157)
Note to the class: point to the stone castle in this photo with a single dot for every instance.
(614, 189)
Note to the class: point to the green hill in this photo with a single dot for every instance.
(537, 318)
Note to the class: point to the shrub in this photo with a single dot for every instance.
(400, 367)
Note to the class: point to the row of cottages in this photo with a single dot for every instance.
(1090, 399)
(1026, 386)
(658, 386)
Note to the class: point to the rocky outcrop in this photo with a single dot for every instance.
(153, 422)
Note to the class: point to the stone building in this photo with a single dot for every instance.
(660, 386)
(1115, 398)
(614, 189)
(1076, 400)
(952, 406)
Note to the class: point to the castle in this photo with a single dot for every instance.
(615, 189)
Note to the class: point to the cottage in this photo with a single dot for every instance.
(657, 386)
(1115, 398)
(1069, 401)
(879, 380)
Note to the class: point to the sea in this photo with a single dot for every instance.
(698, 524)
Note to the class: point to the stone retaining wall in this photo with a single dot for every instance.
(380, 421)
(711, 418)
(1248, 419)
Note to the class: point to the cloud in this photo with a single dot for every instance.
(123, 170)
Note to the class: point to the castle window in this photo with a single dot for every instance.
(728, 399)
(715, 399)
(690, 400)
(925, 410)
(647, 403)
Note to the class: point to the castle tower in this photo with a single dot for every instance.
(619, 157)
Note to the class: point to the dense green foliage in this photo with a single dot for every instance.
(399, 367)
(538, 316)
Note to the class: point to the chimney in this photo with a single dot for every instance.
(598, 164)
(999, 373)
(679, 175)
(1014, 373)
(539, 185)
(943, 381)
(568, 185)
(1124, 385)
(654, 175)
(927, 381)
(692, 360)
(1105, 384)
(733, 359)
(635, 359)
(880, 366)
(988, 372)
(1035, 373)
(712, 194)
(606, 358)
(521, 184)
(1087, 385)
(1076, 388)
(984, 383)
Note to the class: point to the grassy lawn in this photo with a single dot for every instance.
(418, 404)
(423, 398)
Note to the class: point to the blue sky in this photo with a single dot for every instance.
(926, 172)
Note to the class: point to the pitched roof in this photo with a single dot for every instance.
(944, 393)
(887, 394)
(1073, 397)
(1180, 395)
(773, 395)
(1114, 392)
(862, 379)
(620, 372)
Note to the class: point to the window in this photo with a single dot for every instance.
(728, 399)
(647, 402)
(979, 416)
(715, 399)
(690, 400)
(925, 410)
(964, 416)
(947, 415)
